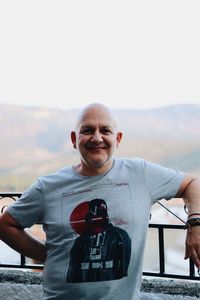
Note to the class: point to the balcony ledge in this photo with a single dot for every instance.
(15, 284)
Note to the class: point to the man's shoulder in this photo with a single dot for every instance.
(57, 176)
(130, 161)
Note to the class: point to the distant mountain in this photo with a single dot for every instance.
(35, 141)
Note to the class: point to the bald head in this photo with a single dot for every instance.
(94, 109)
(96, 139)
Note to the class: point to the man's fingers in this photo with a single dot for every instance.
(187, 251)
(195, 259)
(194, 254)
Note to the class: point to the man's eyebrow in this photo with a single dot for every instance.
(107, 127)
(83, 127)
(86, 126)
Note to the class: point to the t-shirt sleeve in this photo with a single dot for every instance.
(162, 182)
(28, 209)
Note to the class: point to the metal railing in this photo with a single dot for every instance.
(5, 200)
(161, 228)
(192, 274)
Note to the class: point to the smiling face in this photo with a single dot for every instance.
(96, 139)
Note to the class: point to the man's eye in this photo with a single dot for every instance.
(85, 131)
(106, 131)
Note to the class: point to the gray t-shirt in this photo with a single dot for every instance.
(95, 227)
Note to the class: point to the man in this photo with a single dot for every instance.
(60, 201)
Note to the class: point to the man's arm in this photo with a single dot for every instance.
(190, 192)
(17, 238)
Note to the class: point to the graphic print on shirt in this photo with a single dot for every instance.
(101, 250)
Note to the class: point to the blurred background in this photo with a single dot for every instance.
(141, 58)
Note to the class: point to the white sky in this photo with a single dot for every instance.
(65, 54)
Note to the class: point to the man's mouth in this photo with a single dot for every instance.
(95, 147)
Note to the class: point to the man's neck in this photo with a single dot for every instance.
(85, 170)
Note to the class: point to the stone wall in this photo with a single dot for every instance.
(26, 285)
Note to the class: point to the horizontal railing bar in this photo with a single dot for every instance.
(166, 226)
(169, 275)
(18, 266)
(10, 194)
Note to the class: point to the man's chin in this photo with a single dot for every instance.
(96, 163)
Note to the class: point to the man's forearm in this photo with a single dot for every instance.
(191, 197)
(17, 238)
(22, 242)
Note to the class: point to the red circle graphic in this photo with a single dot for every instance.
(77, 218)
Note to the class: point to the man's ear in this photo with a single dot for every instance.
(73, 139)
(119, 137)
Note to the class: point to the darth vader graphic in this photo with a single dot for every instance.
(101, 251)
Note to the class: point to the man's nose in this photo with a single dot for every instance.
(97, 137)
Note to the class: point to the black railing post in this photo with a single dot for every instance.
(161, 250)
(191, 268)
(22, 260)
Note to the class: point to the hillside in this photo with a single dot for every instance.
(36, 141)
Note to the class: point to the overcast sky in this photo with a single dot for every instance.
(65, 54)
